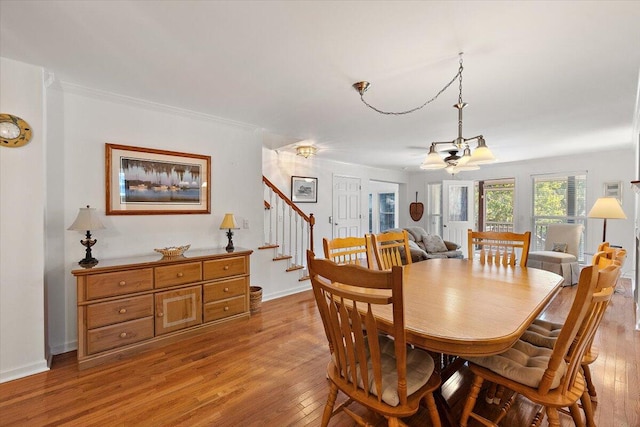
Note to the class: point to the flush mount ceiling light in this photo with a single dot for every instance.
(453, 163)
(306, 151)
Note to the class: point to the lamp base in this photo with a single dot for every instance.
(230, 247)
(88, 262)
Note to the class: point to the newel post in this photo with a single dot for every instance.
(312, 221)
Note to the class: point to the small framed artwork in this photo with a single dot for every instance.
(144, 181)
(304, 189)
(613, 189)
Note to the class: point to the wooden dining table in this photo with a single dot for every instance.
(464, 308)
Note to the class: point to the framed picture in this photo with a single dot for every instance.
(304, 189)
(144, 181)
(613, 189)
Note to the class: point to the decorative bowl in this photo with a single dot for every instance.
(173, 250)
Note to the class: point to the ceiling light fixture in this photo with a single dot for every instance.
(468, 161)
(453, 163)
(306, 151)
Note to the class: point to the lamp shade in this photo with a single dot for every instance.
(87, 219)
(228, 222)
(433, 160)
(481, 155)
(608, 208)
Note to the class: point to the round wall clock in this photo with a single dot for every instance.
(14, 132)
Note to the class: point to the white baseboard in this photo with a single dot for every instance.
(63, 348)
(305, 286)
(24, 371)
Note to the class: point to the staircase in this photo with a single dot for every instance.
(288, 231)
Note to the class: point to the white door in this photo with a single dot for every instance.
(457, 212)
(346, 216)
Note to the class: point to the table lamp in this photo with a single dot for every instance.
(87, 220)
(607, 208)
(229, 223)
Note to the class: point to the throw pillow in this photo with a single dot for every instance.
(559, 247)
(434, 243)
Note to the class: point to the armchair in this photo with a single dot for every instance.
(560, 254)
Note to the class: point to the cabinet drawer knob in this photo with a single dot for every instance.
(122, 311)
(180, 274)
(226, 289)
(122, 283)
(226, 308)
(160, 314)
(123, 335)
(226, 267)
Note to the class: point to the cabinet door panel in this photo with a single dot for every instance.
(178, 309)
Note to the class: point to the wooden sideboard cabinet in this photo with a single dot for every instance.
(132, 304)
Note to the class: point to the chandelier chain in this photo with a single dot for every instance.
(460, 77)
(429, 101)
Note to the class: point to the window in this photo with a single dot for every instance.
(387, 213)
(496, 204)
(383, 206)
(558, 199)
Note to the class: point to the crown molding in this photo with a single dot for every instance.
(76, 89)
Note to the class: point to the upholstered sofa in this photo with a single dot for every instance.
(428, 246)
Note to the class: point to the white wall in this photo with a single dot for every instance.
(91, 119)
(22, 241)
(601, 167)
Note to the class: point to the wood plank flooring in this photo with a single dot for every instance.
(270, 371)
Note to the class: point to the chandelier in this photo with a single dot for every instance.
(452, 163)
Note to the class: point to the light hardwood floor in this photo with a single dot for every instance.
(270, 371)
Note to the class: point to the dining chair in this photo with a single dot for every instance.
(544, 333)
(391, 249)
(612, 252)
(548, 377)
(381, 373)
(348, 250)
(499, 248)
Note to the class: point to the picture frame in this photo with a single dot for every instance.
(613, 189)
(146, 181)
(304, 189)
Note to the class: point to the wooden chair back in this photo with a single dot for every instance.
(353, 335)
(348, 250)
(499, 248)
(388, 249)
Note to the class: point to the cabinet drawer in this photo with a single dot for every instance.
(179, 274)
(226, 289)
(119, 335)
(225, 308)
(119, 283)
(226, 267)
(108, 313)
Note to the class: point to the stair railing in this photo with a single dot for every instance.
(291, 228)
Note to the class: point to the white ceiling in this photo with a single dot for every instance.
(540, 78)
